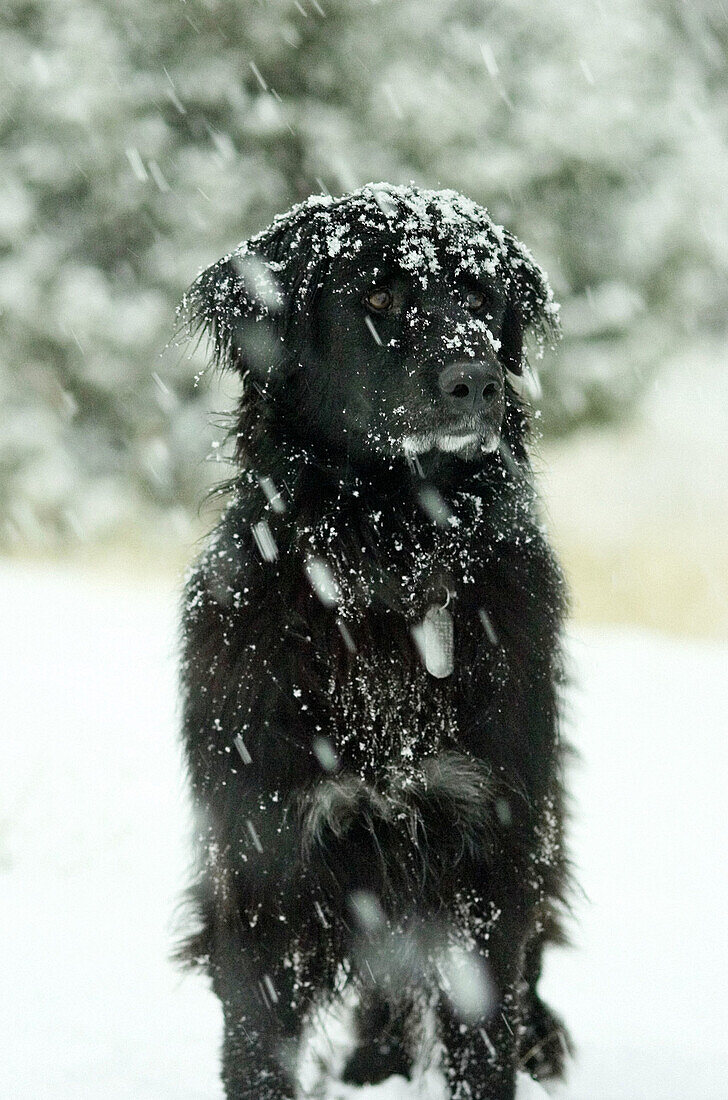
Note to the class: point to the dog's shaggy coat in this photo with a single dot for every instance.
(372, 660)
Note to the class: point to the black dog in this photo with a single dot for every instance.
(371, 654)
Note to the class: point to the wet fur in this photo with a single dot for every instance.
(370, 816)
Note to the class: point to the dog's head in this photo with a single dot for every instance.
(389, 321)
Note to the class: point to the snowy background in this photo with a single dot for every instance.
(142, 139)
(139, 139)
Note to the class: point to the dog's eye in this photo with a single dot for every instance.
(379, 299)
(474, 300)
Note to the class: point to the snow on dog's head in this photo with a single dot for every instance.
(390, 321)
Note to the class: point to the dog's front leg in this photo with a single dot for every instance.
(482, 1049)
(267, 965)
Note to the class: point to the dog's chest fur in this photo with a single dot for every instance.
(391, 713)
(394, 568)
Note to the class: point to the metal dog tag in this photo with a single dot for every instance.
(438, 642)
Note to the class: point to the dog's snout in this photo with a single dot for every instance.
(471, 387)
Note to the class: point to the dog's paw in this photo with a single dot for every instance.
(545, 1043)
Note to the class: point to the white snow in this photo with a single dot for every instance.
(93, 825)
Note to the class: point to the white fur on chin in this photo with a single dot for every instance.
(450, 443)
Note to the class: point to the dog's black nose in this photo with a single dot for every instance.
(472, 387)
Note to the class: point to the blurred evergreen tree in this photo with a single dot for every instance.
(140, 139)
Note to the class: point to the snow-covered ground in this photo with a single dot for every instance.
(93, 822)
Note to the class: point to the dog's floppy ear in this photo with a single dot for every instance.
(512, 338)
(530, 306)
(238, 302)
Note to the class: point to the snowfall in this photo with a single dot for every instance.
(93, 853)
